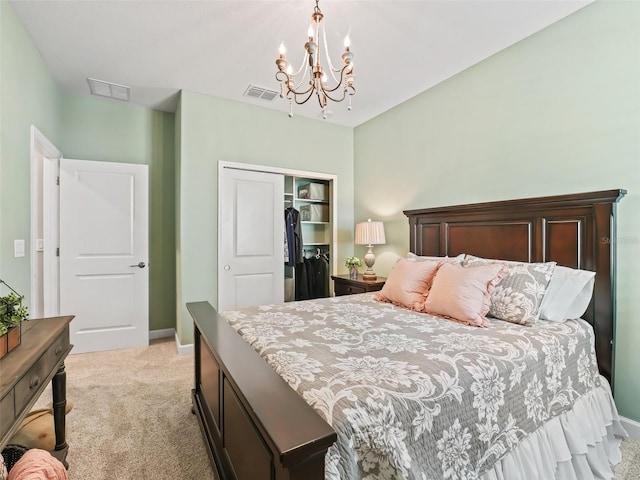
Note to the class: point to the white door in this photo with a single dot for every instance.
(104, 277)
(251, 238)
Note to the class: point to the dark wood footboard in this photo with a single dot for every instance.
(254, 425)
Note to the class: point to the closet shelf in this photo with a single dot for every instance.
(311, 200)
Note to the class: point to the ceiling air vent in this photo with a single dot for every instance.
(108, 89)
(259, 92)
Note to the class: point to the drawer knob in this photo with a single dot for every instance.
(35, 381)
(348, 289)
(58, 350)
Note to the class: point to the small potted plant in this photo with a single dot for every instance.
(352, 263)
(12, 314)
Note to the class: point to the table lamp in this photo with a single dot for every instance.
(370, 233)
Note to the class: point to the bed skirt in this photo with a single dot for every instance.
(580, 444)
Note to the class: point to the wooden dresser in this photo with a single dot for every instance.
(25, 373)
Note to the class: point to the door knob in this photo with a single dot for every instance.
(139, 265)
(227, 267)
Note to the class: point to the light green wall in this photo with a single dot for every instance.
(28, 95)
(94, 128)
(86, 128)
(557, 113)
(213, 129)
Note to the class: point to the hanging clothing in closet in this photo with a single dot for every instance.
(294, 253)
(301, 282)
(317, 270)
(293, 233)
(311, 274)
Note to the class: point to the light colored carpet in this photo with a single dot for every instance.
(132, 418)
(629, 469)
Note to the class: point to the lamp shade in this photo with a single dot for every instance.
(370, 233)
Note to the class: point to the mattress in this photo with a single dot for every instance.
(415, 396)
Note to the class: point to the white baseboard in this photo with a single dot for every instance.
(183, 349)
(631, 426)
(162, 333)
(171, 332)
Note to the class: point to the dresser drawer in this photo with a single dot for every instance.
(58, 349)
(38, 373)
(8, 413)
(344, 289)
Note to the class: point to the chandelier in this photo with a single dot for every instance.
(311, 78)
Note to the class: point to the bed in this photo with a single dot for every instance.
(259, 425)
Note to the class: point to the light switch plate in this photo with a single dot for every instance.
(39, 245)
(18, 248)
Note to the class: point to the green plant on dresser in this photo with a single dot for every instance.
(12, 314)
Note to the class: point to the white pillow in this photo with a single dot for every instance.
(412, 257)
(568, 294)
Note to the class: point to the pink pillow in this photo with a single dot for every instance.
(408, 283)
(464, 293)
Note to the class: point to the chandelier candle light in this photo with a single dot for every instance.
(370, 233)
(294, 83)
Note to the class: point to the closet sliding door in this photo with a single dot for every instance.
(250, 238)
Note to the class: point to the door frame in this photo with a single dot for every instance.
(46, 199)
(222, 164)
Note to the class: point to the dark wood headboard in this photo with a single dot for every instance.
(576, 231)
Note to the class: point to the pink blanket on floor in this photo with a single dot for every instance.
(38, 465)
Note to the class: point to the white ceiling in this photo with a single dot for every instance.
(219, 47)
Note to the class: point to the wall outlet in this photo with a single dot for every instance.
(18, 248)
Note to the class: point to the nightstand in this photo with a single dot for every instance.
(343, 285)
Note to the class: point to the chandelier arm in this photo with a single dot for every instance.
(295, 96)
(298, 92)
(339, 83)
(337, 100)
(348, 90)
(285, 78)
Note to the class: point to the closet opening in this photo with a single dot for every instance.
(277, 235)
(308, 227)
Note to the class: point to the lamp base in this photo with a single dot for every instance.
(369, 260)
(369, 275)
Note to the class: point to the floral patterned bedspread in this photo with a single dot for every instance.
(413, 396)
